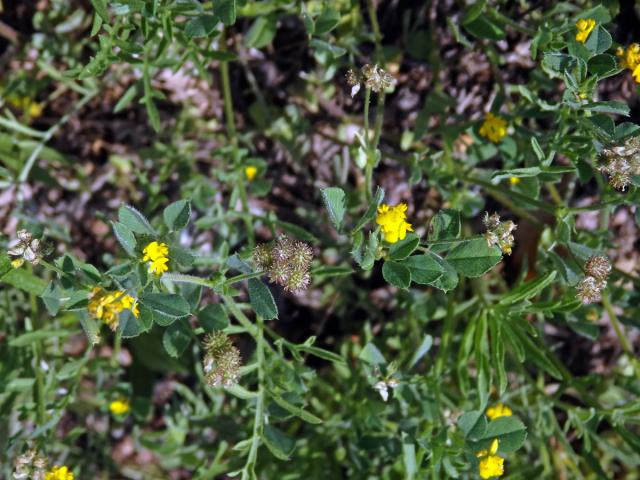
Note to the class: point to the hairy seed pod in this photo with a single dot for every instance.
(598, 267)
(222, 361)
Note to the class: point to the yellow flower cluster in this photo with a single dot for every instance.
(630, 59)
(494, 128)
(499, 410)
(158, 255)
(107, 306)
(119, 407)
(584, 26)
(59, 473)
(491, 465)
(250, 172)
(25, 104)
(393, 221)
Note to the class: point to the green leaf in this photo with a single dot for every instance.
(25, 280)
(371, 355)
(528, 290)
(445, 225)
(294, 410)
(422, 350)
(472, 258)
(168, 305)
(37, 336)
(322, 353)
(201, 26)
(176, 216)
(135, 221)
(472, 424)
(131, 327)
(425, 269)
(226, 10)
(5, 264)
(213, 317)
(278, 443)
(484, 27)
(611, 106)
(396, 274)
(326, 21)
(126, 99)
(125, 237)
(449, 278)
(100, 6)
(371, 210)
(603, 65)
(176, 338)
(91, 327)
(402, 249)
(510, 432)
(409, 456)
(261, 32)
(262, 300)
(334, 198)
(51, 298)
(599, 40)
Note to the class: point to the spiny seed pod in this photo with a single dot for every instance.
(622, 163)
(222, 361)
(301, 255)
(299, 280)
(491, 222)
(262, 256)
(286, 263)
(598, 267)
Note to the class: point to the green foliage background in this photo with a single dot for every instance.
(455, 323)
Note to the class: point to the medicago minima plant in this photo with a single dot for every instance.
(431, 302)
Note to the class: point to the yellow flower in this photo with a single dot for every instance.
(59, 473)
(393, 221)
(494, 128)
(250, 172)
(17, 263)
(514, 180)
(498, 410)
(106, 306)
(491, 465)
(119, 407)
(630, 59)
(157, 254)
(584, 26)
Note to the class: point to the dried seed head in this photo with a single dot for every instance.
(598, 267)
(286, 263)
(30, 466)
(589, 290)
(26, 249)
(222, 360)
(262, 256)
(622, 163)
(499, 233)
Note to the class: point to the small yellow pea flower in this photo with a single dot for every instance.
(250, 172)
(584, 26)
(119, 407)
(393, 221)
(17, 263)
(59, 473)
(499, 410)
(514, 180)
(493, 128)
(491, 465)
(158, 254)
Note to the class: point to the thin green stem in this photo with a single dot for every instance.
(622, 338)
(258, 420)
(375, 26)
(241, 277)
(233, 139)
(37, 351)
